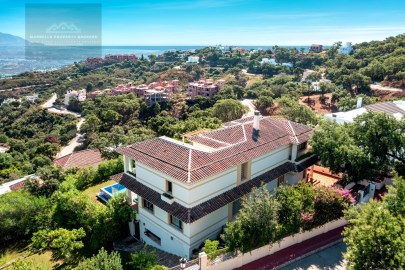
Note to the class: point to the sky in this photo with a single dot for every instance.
(232, 22)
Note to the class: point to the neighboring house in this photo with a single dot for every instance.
(268, 61)
(193, 59)
(394, 108)
(315, 85)
(306, 73)
(79, 95)
(205, 88)
(31, 99)
(80, 159)
(316, 48)
(155, 96)
(346, 48)
(188, 191)
(15, 184)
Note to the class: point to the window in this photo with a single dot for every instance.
(147, 204)
(132, 166)
(244, 171)
(302, 146)
(176, 222)
(169, 187)
(153, 236)
(280, 181)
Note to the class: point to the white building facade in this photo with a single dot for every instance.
(186, 192)
(79, 95)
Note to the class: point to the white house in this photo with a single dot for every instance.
(268, 61)
(394, 108)
(193, 59)
(316, 85)
(306, 73)
(79, 95)
(185, 193)
(346, 48)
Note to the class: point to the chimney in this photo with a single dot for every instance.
(359, 102)
(256, 121)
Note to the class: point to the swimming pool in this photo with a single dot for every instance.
(107, 192)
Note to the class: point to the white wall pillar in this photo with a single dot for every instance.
(126, 163)
(294, 150)
(203, 260)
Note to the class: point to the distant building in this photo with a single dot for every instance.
(80, 159)
(316, 85)
(346, 48)
(79, 95)
(117, 58)
(316, 48)
(153, 96)
(31, 99)
(205, 88)
(306, 73)
(193, 59)
(94, 62)
(394, 108)
(123, 89)
(271, 61)
(288, 64)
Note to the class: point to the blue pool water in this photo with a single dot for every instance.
(120, 188)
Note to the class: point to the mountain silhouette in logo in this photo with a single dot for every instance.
(63, 28)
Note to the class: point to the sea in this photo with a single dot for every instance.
(16, 60)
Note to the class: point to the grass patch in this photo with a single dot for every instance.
(92, 191)
(14, 253)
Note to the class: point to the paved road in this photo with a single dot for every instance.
(49, 103)
(68, 149)
(248, 102)
(327, 259)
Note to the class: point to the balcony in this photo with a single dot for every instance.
(167, 198)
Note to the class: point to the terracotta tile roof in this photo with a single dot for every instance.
(233, 144)
(80, 159)
(17, 186)
(190, 215)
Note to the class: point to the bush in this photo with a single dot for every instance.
(211, 247)
(102, 261)
(143, 260)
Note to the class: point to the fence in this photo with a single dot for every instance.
(232, 261)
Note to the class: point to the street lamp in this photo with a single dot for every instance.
(183, 262)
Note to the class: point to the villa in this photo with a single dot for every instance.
(205, 88)
(316, 48)
(346, 48)
(79, 95)
(185, 193)
(193, 59)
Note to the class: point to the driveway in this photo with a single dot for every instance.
(68, 149)
(249, 103)
(327, 259)
(49, 103)
(384, 88)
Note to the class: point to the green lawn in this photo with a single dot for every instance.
(44, 259)
(91, 192)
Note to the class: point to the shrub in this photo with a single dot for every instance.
(210, 247)
(102, 261)
(143, 260)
